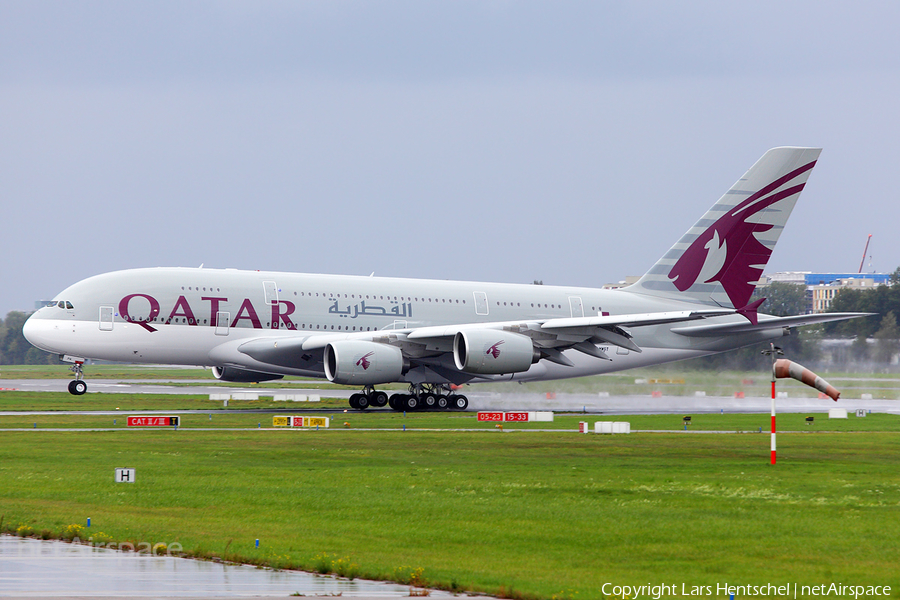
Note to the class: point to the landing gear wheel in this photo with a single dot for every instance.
(359, 401)
(459, 402)
(77, 387)
(395, 401)
(411, 403)
(442, 402)
(378, 399)
(429, 401)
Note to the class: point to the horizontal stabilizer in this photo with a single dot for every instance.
(720, 329)
(636, 320)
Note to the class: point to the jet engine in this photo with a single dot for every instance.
(242, 375)
(354, 362)
(493, 352)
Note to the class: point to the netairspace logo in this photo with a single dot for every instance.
(789, 590)
(59, 548)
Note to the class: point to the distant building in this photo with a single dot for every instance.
(629, 279)
(797, 277)
(821, 288)
(830, 278)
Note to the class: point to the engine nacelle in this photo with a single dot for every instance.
(493, 352)
(242, 375)
(354, 362)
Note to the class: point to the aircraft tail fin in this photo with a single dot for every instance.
(721, 258)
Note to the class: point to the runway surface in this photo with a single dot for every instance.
(162, 386)
(484, 400)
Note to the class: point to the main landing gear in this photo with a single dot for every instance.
(369, 397)
(422, 396)
(77, 386)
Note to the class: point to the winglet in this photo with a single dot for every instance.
(749, 311)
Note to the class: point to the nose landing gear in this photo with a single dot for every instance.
(77, 386)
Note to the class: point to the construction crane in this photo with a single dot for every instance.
(865, 251)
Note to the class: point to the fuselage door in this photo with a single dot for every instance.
(481, 303)
(222, 320)
(106, 318)
(575, 306)
(271, 292)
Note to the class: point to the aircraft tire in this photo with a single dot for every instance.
(362, 402)
(378, 399)
(77, 387)
(442, 403)
(412, 403)
(354, 400)
(459, 402)
(429, 401)
(395, 400)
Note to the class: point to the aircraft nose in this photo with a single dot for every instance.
(28, 330)
(36, 332)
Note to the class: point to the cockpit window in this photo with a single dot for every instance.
(60, 304)
(69, 306)
(64, 304)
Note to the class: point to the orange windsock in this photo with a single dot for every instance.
(785, 368)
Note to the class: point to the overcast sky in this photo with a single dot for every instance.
(571, 142)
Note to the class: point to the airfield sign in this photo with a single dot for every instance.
(154, 421)
(125, 475)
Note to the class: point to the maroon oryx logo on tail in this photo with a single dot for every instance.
(364, 361)
(728, 251)
(494, 350)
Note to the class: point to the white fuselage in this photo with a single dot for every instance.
(202, 316)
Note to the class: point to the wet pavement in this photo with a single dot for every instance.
(162, 386)
(32, 568)
(596, 403)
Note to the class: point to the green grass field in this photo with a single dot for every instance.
(537, 514)
(517, 512)
(384, 419)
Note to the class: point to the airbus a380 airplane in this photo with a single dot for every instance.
(256, 326)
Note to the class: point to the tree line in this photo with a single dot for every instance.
(15, 349)
(876, 338)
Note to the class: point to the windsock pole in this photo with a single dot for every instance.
(786, 368)
(773, 414)
(774, 352)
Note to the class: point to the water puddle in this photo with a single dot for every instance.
(37, 568)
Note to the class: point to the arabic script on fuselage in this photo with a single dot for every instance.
(145, 304)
